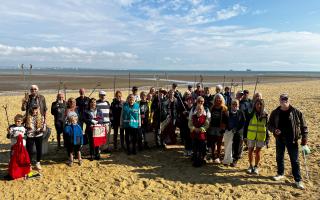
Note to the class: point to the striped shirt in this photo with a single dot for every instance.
(104, 106)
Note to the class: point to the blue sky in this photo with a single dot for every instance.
(160, 34)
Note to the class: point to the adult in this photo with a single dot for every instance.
(257, 134)
(246, 102)
(144, 113)
(93, 116)
(184, 128)
(208, 98)
(288, 125)
(82, 103)
(58, 109)
(198, 91)
(135, 93)
(34, 99)
(116, 108)
(233, 135)
(168, 126)
(104, 106)
(131, 121)
(35, 127)
(227, 97)
(218, 123)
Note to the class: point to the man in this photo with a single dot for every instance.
(34, 99)
(208, 98)
(58, 109)
(82, 103)
(246, 103)
(288, 126)
(199, 91)
(104, 106)
(227, 97)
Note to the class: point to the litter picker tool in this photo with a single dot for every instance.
(242, 80)
(224, 80)
(94, 89)
(65, 91)
(129, 82)
(5, 107)
(30, 74)
(305, 152)
(201, 80)
(114, 84)
(166, 80)
(60, 83)
(255, 87)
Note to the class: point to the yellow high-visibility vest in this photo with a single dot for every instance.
(257, 129)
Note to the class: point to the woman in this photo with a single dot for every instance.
(71, 108)
(131, 122)
(198, 125)
(257, 134)
(184, 128)
(93, 116)
(116, 108)
(218, 122)
(232, 137)
(168, 126)
(35, 127)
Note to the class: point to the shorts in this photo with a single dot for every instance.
(255, 143)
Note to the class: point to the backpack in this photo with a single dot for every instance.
(19, 165)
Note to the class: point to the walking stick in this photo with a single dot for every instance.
(255, 87)
(94, 89)
(5, 108)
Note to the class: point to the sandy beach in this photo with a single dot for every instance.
(155, 174)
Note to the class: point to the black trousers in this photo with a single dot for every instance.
(199, 152)
(142, 137)
(186, 137)
(237, 146)
(38, 142)
(131, 138)
(94, 151)
(115, 136)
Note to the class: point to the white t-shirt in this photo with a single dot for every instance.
(14, 131)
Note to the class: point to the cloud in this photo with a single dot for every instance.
(62, 54)
(259, 12)
(233, 11)
(172, 60)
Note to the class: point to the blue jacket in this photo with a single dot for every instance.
(130, 116)
(74, 133)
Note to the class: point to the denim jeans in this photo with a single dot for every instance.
(293, 151)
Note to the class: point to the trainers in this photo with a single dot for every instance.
(80, 162)
(38, 166)
(217, 161)
(250, 170)
(189, 153)
(278, 177)
(255, 170)
(300, 185)
(234, 164)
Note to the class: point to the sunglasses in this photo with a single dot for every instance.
(284, 98)
(33, 89)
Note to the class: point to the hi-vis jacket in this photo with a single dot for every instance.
(130, 116)
(257, 129)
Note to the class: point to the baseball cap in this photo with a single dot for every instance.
(102, 92)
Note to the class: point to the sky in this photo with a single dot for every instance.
(162, 34)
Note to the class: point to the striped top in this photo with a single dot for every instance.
(104, 106)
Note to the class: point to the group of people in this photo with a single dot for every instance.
(205, 122)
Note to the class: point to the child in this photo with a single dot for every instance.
(17, 129)
(74, 134)
(35, 127)
(198, 125)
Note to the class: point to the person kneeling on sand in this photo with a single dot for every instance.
(198, 125)
(288, 125)
(257, 134)
(74, 134)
